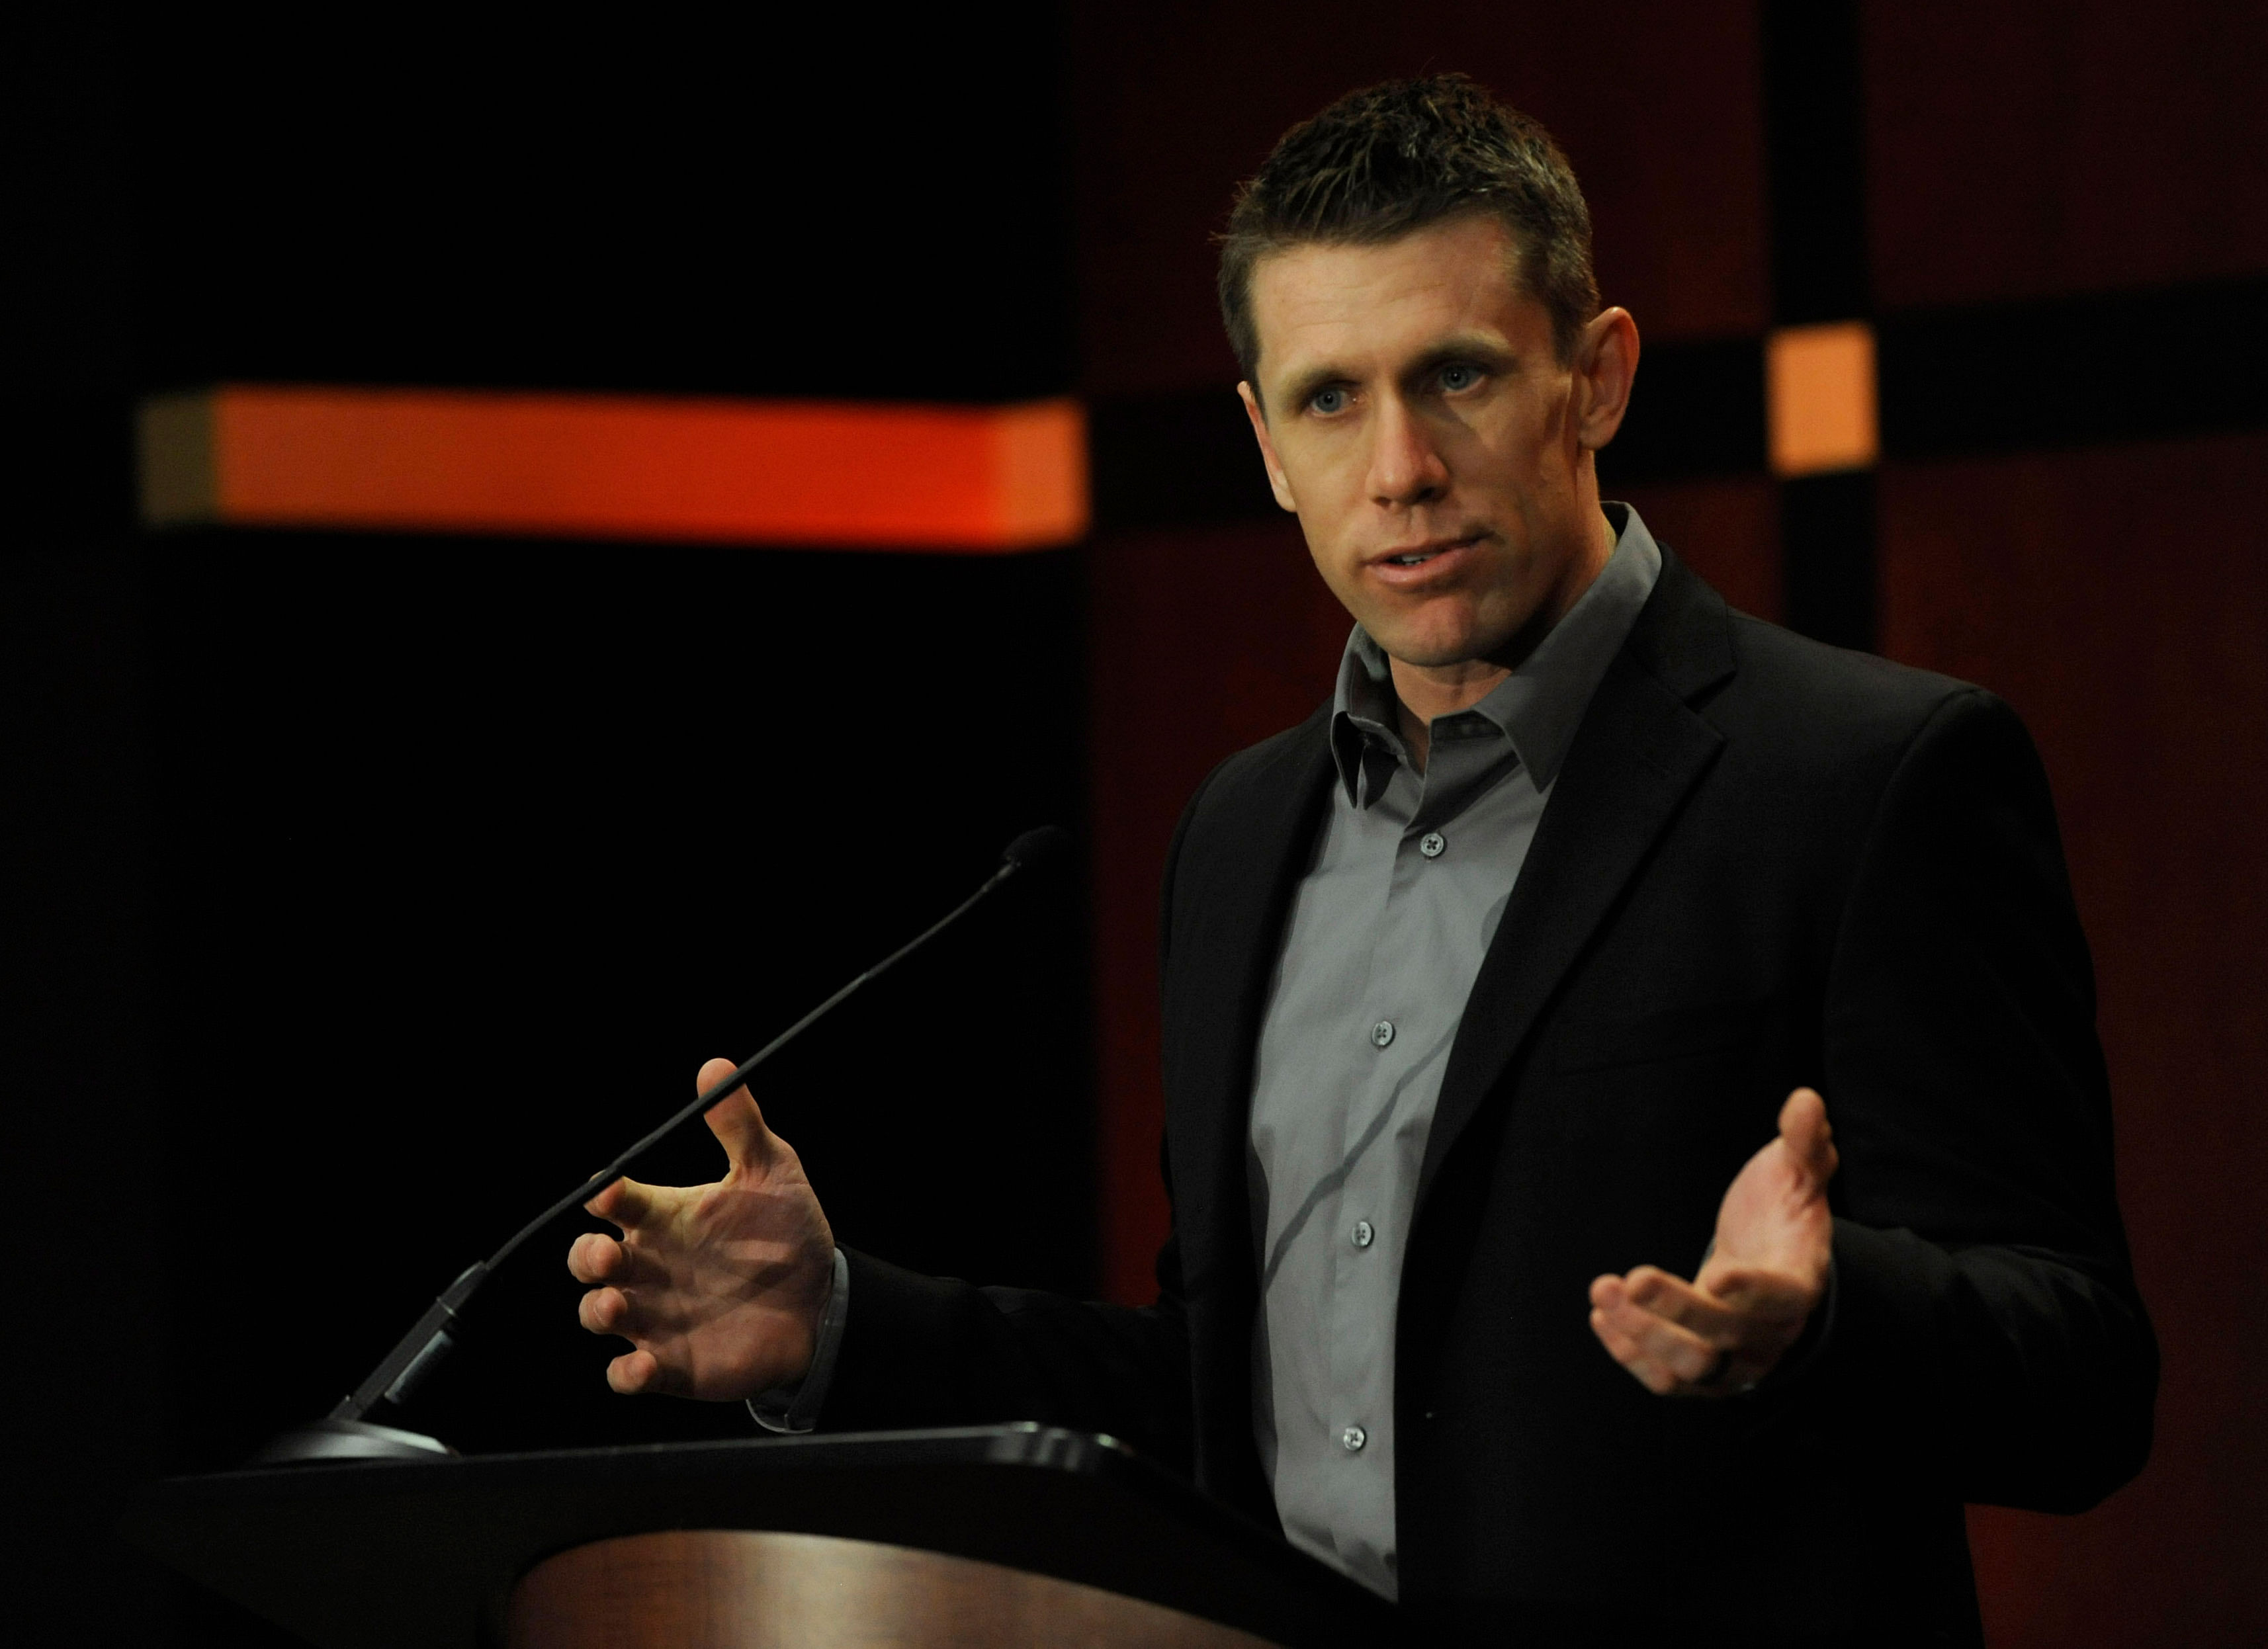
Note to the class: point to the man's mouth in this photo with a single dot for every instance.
(1396, 565)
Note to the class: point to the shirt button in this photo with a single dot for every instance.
(1382, 1033)
(1363, 1233)
(1354, 1437)
(1433, 844)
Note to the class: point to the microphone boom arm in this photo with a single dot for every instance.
(418, 1352)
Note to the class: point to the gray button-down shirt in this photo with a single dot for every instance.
(1385, 935)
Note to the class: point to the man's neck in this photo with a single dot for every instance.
(1423, 692)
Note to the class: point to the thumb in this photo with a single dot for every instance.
(1810, 1141)
(736, 1122)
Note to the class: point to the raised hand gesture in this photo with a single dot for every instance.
(718, 1288)
(1721, 1333)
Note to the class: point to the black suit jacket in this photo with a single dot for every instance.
(1766, 863)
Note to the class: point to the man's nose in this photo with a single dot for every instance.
(1406, 466)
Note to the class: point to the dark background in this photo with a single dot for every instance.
(362, 892)
(376, 889)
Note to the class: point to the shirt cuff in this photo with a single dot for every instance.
(792, 1408)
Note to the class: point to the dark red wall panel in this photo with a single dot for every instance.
(1203, 642)
(1728, 530)
(1655, 101)
(2034, 147)
(2118, 598)
(2118, 595)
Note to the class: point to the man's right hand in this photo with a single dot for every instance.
(718, 1288)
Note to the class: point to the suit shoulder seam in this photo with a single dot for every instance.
(1959, 698)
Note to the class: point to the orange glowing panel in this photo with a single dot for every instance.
(1819, 384)
(962, 479)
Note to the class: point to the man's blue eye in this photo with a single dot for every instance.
(1329, 400)
(1454, 378)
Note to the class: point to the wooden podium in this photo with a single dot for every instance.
(1009, 1535)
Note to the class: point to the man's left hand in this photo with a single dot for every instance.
(1721, 1333)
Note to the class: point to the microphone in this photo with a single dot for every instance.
(1034, 846)
(346, 1433)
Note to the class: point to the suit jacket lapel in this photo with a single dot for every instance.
(1229, 905)
(1226, 929)
(1638, 752)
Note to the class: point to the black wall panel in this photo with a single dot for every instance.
(471, 853)
(370, 890)
(627, 201)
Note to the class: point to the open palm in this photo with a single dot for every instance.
(1765, 1274)
(718, 1288)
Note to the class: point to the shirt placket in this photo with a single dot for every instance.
(1358, 1224)
(1310, 1272)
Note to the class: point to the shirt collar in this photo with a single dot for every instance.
(1538, 707)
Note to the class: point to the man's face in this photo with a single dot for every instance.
(1432, 442)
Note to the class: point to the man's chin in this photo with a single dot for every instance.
(1441, 640)
(1429, 649)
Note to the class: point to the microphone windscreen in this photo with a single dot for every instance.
(1030, 847)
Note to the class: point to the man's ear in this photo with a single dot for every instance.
(1606, 365)
(1277, 483)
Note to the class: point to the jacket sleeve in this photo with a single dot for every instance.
(1987, 1326)
(925, 1350)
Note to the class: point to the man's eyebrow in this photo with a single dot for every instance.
(1303, 388)
(1484, 346)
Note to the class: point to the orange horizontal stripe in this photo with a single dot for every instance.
(787, 472)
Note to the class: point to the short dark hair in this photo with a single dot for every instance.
(1384, 161)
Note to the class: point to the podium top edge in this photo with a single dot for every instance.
(1023, 1443)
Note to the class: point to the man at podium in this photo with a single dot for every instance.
(1639, 1150)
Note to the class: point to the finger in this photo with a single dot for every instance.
(1631, 1343)
(638, 1373)
(596, 1258)
(1810, 1141)
(1614, 1322)
(625, 1203)
(1676, 1301)
(607, 1311)
(1620, 1346)
(1666, 1359)
(737, 1122)
(1679, 1353)
(599, 1258)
